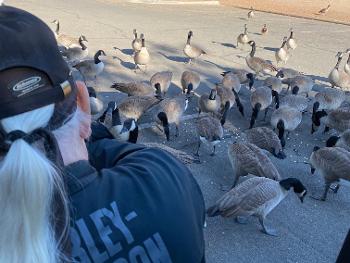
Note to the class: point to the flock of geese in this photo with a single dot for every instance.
(285, 92)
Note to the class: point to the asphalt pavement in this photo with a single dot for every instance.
(308, 232)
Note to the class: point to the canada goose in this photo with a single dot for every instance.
(228, 98)
(210, 132)
(65, 40)
(299, 84)
(135, 106)
(182, 156)
(232, 84)
(286, 73)
(243, 37)
(338, 119)
(137, 89)
(266, 139)
(347, 65)
(343, 140)
(297, 102)
(243, 75)
(142, 57)
(161, 81)
(251, 13)
(323, 11)
(247, 158)
(264, 30)
(291, 43)
(281, 54)
(75, 54)
(257, 64)
(168, 111)
(92, 67)
(338, 77)
(124, 132)
(192, 51)
(189, 81)
(333, 163)
(261, 99)
(210, 103)
(285, 119)
(274, 83)
(329, 99)
(256, 197)
(96, 105)
(136, 43)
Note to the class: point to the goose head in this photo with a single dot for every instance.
(100, 53)
(190, 34)
(83, 38)
(316, 119)
(280, 74)
(251, 43)
(250, 77)
(135, 33)
(297, 186)
(212, 95)
(332, 141)
(128, 125)
(295, 90)
(55, 21)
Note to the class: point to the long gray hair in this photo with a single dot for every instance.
(29, 181)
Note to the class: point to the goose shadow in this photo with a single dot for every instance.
(174, 58)
(273, 49)
(319, 78)
(125, 64)
(258, 34)
(224, 44)
(216, 65)
(125, 51)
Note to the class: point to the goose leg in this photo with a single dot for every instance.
(199, 145)
(324, 196)
(326, 129)
(266, 230)
(177, 130)
(266, 110)
(214, 149)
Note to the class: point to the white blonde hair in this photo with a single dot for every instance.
(28, 182)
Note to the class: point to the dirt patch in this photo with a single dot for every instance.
(339, 10)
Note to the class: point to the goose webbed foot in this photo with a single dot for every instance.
(266, 230)
(241, 220)
(335, 189)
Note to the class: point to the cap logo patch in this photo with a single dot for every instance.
(27, 85)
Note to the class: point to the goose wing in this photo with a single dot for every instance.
(246, 198)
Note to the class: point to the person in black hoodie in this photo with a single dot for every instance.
(62, 201)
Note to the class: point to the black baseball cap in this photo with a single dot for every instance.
(33, 73)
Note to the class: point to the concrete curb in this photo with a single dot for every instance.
(164, 2)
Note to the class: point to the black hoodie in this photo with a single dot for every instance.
(134, 204)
